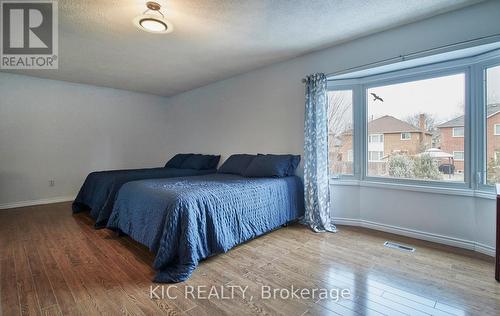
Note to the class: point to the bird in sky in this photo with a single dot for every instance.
(376, 97)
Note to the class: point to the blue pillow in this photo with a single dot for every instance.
(236, 164)
(215, 162)
(271, 166)
(294, 163)
(200, 162)
(177, 160)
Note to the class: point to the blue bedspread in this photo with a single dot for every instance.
(184, 220)
(99, 190)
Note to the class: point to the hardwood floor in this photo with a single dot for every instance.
(53, 262)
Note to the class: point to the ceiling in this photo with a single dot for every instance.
(212, 39)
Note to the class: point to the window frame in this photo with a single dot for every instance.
(495, 129)
(475, 131)
(459, 151)
(350, 155)
(496, 155)
(380, 156)
(415, 74)
(453, 131)
(406, 133)
(473, 69)
(354, 158)
(488, 60)
(380, 136)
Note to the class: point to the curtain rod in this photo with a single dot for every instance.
(410, 55)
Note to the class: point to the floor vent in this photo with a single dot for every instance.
(394, 245)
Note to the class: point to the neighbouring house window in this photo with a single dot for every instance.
(492, 114)
(496, 156)
(405, 136)
(340, 132)
(497, 129)
(458, 132)
(350, 155)
(375, 155)
(376, 138)
(458, 155)
(418, 119)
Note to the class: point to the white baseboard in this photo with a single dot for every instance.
(485, 249)
(450, 241)
(36, 202)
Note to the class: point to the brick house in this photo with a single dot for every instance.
(452, 137)
(386, 135)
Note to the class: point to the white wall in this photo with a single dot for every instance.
(262, 111)
(62, 131)
(461, 221)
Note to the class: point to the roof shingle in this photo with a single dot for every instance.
(390, 124)
(493, 109)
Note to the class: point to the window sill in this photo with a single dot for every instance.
(484, 194)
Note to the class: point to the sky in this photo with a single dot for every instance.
(443, 98)
(493, 84)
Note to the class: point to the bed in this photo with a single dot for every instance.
(99, 190)
(185, 220)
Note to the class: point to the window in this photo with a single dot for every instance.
(458, 155)
(350, 155)
(375, 155)
(425, 122)
(405, 136)
(340, 131)
(492, 114)
(496, 156)
(376, 138)
(458, 132)
(497, 130)
(418, 119)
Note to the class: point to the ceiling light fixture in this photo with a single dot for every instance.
(154, 22)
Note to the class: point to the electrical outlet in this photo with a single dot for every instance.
(52, 183)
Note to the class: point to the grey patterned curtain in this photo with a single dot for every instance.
(316, 188)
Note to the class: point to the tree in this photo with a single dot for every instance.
(339, 122)
(426, 168)
(339, 111)
(430, 125)
(429, 121)
(400, 166)
(493, 171)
